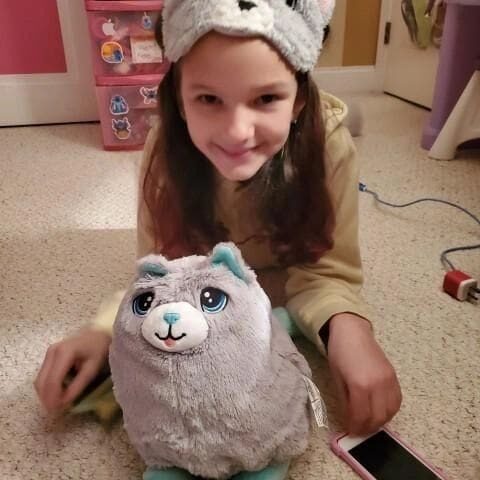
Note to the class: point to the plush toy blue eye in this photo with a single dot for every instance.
(213, 300)
(141, 304)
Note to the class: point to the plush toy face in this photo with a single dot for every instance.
(173, 327)
(177, 306)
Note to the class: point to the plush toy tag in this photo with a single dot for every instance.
(318, 405)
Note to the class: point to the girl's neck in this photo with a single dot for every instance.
(225, 187)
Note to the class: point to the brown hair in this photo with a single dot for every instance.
(290, 190)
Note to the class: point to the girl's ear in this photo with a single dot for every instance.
(299, 104)
(181, 108)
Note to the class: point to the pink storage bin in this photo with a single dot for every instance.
(122, 39)
(127, 112)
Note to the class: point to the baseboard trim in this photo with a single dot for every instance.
(349, 79)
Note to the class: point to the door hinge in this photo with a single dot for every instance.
(386, 37)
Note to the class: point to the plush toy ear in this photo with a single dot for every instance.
(154, 265)
(229, 255)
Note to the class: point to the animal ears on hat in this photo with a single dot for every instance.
(295, 27)
(327, 7)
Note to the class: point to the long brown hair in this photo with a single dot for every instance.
(290, 190)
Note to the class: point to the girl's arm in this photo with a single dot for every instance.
(329, 291)
(317, 292)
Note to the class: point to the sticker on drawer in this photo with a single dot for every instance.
(118, 105)
(149, 94)
(147, 22)
(112, 52)
(145, 50)
(121, 128)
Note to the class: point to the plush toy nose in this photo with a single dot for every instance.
(171, 317)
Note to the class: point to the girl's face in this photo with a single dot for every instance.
(238, 98)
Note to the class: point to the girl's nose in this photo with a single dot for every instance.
(171, 317)
(239, 127)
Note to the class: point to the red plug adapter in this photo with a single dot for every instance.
(461, 286)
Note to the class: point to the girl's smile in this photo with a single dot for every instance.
(237, 152)
(238, 155)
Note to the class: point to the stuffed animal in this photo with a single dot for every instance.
(209, 382)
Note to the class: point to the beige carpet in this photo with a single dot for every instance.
(67, 216)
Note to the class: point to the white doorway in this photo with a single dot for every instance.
(332, 74)
(41, 98)
(411, 64)
(401, 67)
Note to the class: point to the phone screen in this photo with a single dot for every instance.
(386, 459)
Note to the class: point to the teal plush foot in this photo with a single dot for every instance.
(167, 474)
(272, 472)
(287, 322)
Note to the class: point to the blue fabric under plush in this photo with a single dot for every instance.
(282, 315)
(273, 472)
(167, 474)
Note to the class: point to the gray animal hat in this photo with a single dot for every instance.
(294, 27)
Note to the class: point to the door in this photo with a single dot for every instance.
(412, 52)
(352, 58)
(45, 66)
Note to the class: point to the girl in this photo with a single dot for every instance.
(249, 150)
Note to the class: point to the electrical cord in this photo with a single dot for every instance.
(443, 256)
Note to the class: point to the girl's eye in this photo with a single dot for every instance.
(213, 300)
(141, 304)
(266, 99)
(208, 99)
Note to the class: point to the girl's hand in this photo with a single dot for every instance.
(368, 387)
(85, 352)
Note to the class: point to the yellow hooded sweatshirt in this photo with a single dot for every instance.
(314, 292)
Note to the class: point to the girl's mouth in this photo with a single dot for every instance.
(236, 153)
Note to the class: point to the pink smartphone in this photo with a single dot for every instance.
(383, 456)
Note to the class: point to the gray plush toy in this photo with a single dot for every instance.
(207, 378)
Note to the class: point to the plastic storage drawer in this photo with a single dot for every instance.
(122, 39)
(127, 112)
